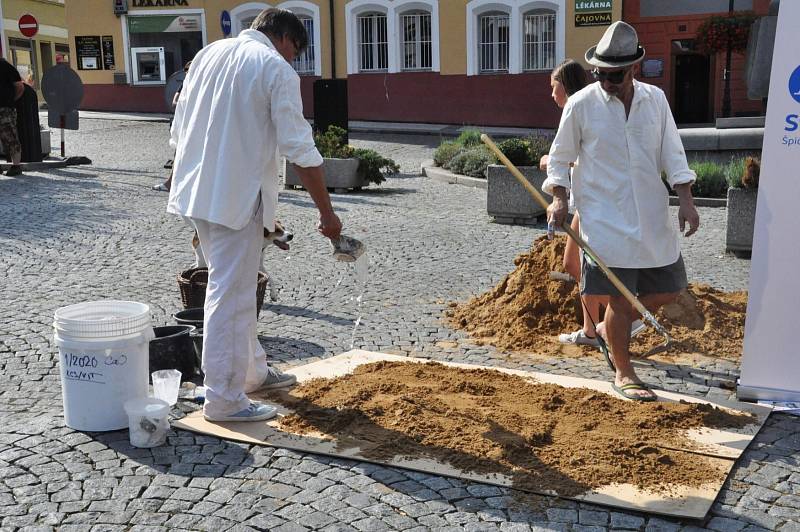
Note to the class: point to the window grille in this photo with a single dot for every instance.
(493, 43)
(416, 42)
(539, 41)
(304, 63)
(373, 44)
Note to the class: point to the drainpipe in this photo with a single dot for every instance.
(333, 38)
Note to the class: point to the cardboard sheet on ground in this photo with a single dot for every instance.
(722, 447)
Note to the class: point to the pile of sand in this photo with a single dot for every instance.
(527, 310)
(543, 436)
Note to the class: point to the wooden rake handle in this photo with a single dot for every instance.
(627, 294)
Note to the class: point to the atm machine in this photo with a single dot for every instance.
(148, 66)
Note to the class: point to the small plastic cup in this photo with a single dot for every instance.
(148, 421)
(166, 383)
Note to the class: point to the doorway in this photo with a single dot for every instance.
(692, 83)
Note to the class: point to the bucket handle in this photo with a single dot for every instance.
(192, 279)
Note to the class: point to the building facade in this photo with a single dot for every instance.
(49, 46)
(481, 62)
(693, 82)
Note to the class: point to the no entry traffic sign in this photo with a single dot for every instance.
(28, 25)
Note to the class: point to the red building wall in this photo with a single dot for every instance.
(519, 100)
(656, 35)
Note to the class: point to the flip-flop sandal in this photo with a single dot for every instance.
(603, 346)
(634, 386)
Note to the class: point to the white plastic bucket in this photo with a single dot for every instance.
(104, 358)
(148, 421)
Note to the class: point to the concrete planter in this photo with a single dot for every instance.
(741, 219)
(340, 175)
(507, 200)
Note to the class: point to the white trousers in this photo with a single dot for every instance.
(233, 360)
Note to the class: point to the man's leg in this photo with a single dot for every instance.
(230, 312)
(619, 315)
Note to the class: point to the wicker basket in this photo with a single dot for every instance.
(193, 284)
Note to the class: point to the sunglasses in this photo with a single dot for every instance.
(616, 77)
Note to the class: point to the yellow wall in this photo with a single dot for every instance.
(47, 13)
(581, 39)
(95, 17)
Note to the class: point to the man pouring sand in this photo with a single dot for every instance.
(624, 135)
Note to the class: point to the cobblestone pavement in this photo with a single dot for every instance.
(85, 233)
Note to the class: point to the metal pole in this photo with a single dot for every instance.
(331, 7)
(63, 125)
(726, 95)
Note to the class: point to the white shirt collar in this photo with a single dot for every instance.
(255, 35)
(639, 92)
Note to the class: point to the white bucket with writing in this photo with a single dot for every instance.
(103, 352)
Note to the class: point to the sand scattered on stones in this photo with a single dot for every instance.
(527, 310)
(543, 436)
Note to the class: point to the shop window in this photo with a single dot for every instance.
(539, 52)
(180, 37)
(493, 43)
(62, 53)
(416, 41)
(304, 63)
(373, 42)
(24, 58)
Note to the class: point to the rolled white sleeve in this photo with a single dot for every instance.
(673, 157)
(177, 120)
(563, 151)
(295, 137)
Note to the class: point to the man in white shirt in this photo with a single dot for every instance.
(240, 105)
(625, 136)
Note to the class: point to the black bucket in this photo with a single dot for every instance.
(173, 349)
(197, 340)
(190, 316)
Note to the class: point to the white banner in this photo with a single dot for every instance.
(771, 359)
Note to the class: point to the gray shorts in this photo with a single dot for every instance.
(640, 281)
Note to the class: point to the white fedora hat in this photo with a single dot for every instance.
(619, 47)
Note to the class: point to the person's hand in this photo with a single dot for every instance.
(543, 163)
(330, 225)
(557, 210)
(688, 213)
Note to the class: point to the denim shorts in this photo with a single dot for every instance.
(640, 281)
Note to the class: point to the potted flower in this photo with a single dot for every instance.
(345, 167)
(742, 195)
(506, 199)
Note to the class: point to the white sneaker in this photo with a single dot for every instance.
(577, 338)
(276, 379)
(254, 412)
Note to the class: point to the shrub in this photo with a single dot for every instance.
(476, 160)
(333, 143)
(518, 152)
(373, 167)
(446, 151)
(456, 164)
(734, 172)
(711, 182)
(539, 145)
(469, 138)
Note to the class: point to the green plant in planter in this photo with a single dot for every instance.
(472, 162)
(734, 172)
(469, 138)
(539, 146)
(373, 167)
(445, 152)
(332, 144)
(711, 180)
(518, 151)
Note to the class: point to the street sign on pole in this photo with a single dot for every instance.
(63, 91)
(28, 25)
(225, 23)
